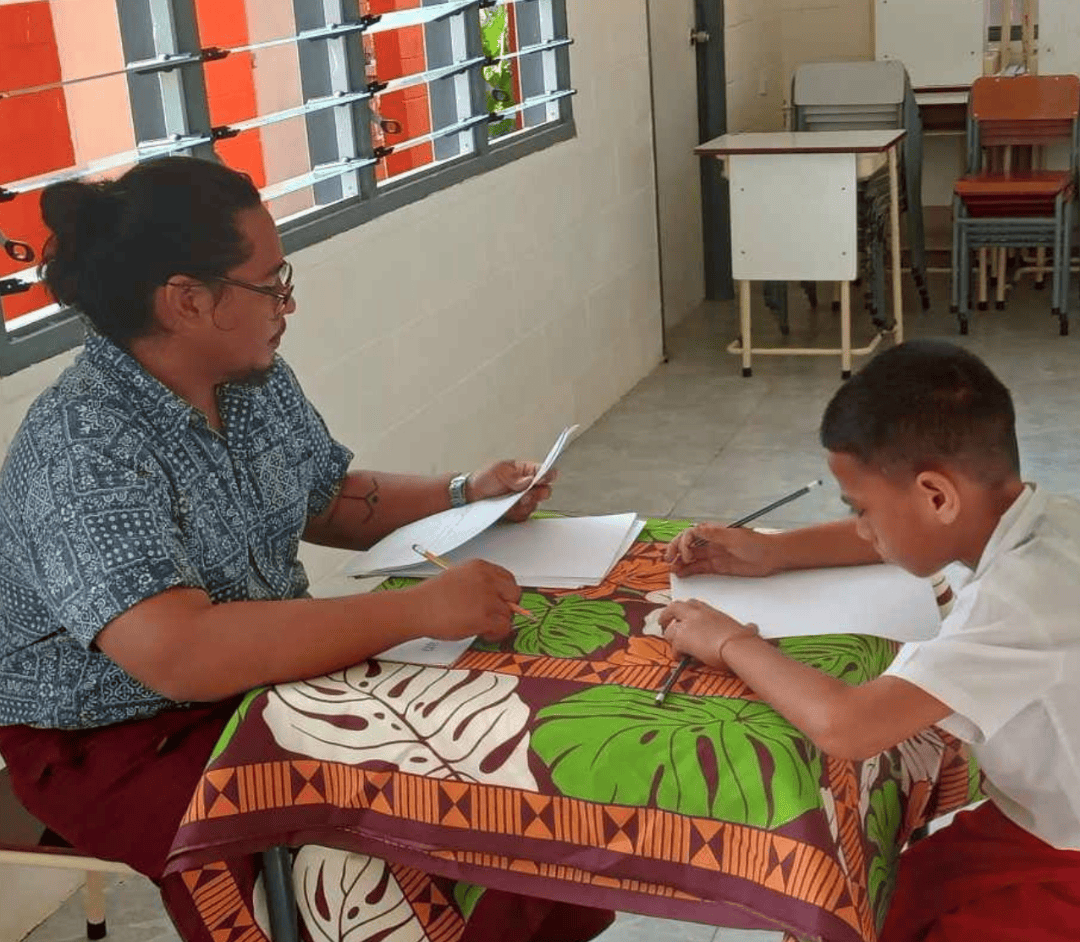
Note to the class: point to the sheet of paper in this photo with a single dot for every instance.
(428, 651)
(444, 531)
(874, 600)
(551, 552)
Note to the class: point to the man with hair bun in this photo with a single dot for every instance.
(151, 507)
(923, 445)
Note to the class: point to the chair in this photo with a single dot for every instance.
(998, 208)
(835, 96)
(25, 841)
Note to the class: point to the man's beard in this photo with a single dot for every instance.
(257, 377)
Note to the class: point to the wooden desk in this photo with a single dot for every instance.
(794, 218)
(544, 766)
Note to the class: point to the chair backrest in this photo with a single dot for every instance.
(1024, 109)
(836, 96)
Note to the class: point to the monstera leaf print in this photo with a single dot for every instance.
(658, 530)
(852, 658)
(567, 627)
(734, 760)
(452, 724)
(883, 826)
(345, 897)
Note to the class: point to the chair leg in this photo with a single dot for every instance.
(280, 898)
(982, 280)
(93, 900)
(1002, 269)
(1040, 263)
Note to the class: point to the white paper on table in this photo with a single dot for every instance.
(881, 600)
(430, 652)
(442, 532)
(552, 552)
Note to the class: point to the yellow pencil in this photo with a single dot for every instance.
(443, 564)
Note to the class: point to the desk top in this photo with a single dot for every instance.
(543, 766)
(801, 142)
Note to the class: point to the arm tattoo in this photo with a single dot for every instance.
(370, 497)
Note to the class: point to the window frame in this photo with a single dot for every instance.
(181, 107)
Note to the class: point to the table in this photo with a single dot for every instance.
(794, 218)
(544, 766)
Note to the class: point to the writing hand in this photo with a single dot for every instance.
(473, 598)
(728, 551)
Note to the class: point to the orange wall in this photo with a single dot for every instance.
(230, 83)
(34, 134)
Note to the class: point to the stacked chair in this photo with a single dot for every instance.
(841, 96)
(996, 206)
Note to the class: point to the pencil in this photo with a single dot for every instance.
(443, 564)
(662, 693)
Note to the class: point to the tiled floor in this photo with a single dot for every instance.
(696, 439)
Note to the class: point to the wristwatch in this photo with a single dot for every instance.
(457, 490)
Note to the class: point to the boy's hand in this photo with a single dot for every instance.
(697, 629)
(724, 550)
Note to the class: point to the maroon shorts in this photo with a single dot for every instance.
(119, 793)
(984, 878)
(115, 792)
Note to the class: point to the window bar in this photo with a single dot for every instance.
(433, 75)
(559, 55)
(165, 103)
(477, 86)
(145, 151)
(328, 69)
(419, 16)
(533, 103)
(549, 46)
(448, 61)
(316, 175)
(465, 125)
(310, 107)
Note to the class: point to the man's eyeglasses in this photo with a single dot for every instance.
(283, 291)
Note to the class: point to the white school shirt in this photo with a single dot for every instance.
(1007, 661)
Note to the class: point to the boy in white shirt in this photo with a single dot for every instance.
(922, 442)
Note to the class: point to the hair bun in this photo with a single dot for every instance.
(83, 218)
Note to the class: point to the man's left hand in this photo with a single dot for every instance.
(509, 477)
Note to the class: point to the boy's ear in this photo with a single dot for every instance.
(941, 495)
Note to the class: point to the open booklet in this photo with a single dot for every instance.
(448, 529)
(881, 600)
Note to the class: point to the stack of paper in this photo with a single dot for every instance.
(447, 530)
(877, 600)
(551, 552)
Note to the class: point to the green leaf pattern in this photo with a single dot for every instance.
(705, 756)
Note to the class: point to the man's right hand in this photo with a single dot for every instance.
(715, 548)
(473, 598)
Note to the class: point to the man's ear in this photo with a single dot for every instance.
(941, 495)
(182, 303)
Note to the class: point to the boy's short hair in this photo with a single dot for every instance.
(921, 405)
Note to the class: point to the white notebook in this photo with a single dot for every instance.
(881, 600)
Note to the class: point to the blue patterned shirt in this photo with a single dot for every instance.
(116, 489)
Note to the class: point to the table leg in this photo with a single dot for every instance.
(744, 326)
(894, 222)
(845, 329)
(280, 898)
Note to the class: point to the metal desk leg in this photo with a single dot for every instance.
(280, 898)
(894, 225)
(845, 329)
(744, 326)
